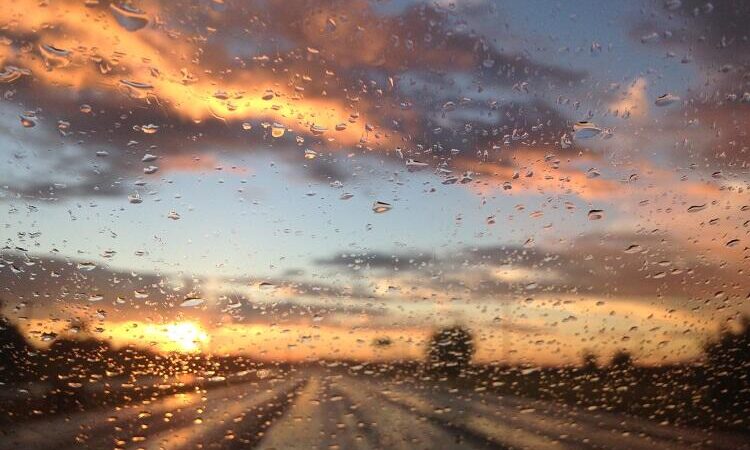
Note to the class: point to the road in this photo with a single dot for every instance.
(312, 410)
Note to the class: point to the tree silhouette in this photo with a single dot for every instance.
(382, 342)
(728, 365)
(13, 350)
(590, 363)
(621, 360)
(450, 351)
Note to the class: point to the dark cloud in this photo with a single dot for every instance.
(347, 52)
(648, 265)
(53, 285)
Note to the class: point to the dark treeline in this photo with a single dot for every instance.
(76, 374)
(712, 394)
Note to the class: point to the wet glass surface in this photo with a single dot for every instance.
(374, 224)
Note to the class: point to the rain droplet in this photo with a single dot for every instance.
(413, 165)
(129, 17)
(733, 242)
(136, 89)
(173, 215)
(150, 170)
(696, 208)
(135, 198)
(317, 130)
(190, 302)
(596, 214)
(381, 207)
(634, 248)
(87, 266)
(346, 196)
(310, 154)
(277, 130)
(150, 128)
(268, 95)
(47, 337)
(148, 157)
(136, 84)
(666, 99)
(12, 73)
(27, 121)
(585, 130)
(565, 141)
(54, 57)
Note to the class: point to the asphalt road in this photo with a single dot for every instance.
(316, 411)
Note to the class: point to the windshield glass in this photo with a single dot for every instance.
(374, 224)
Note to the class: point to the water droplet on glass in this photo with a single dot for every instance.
(585, 130)
(47, 337)
(148, 157)
(596, 214)
(733, 242)
(666, 99)
(413, 165)
(277, 130)
(150, 128)
(190, 302)
(12, 73)
(135, 198)
(27, 121)
(346, 196)
(129, 17)
(317, 130)
(87, 266)
(136, 89)
(173, 215)
(54, 57)
(696, 208)
(150, 170)
(633, 248)
(381, 207)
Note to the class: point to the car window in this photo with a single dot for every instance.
(374, 224)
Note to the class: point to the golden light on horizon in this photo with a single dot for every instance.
(187, 337)
(179, 336)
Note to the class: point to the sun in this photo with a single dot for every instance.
(185, 337)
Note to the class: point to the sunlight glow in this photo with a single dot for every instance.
(186, 337)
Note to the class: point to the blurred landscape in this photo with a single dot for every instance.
(75, 376)
(360, 224)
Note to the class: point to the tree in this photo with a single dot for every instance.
(450, 351)
(728, 365)
(621, 360)
(590, 362)
(14, 350)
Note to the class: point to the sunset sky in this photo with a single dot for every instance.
(460, 115)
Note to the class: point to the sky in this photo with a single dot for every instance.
(541, 193)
